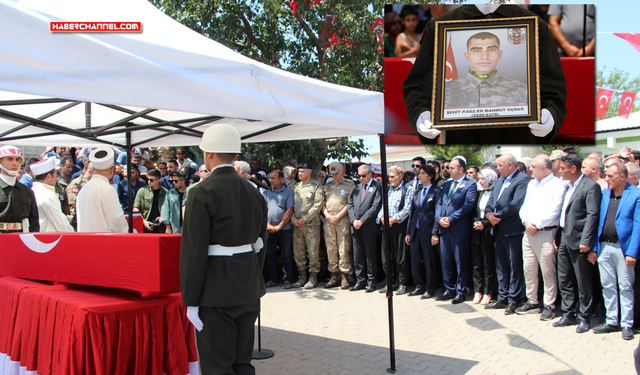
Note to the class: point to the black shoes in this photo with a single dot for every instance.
(511, 308)
(607, 328)
(370, 288)
(416, 292)
(627, 334)
(548, 313)
(495, 305)
(402, 289)
(458, 299)
(565, 321)
(528, 308)
(446, 296)
(357, 286)
(427, 295)
(583, 327)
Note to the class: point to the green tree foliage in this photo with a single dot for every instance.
(330, 40)
(472, 153)
(616, 80)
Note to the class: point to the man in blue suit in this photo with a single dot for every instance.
(453, 215)
(422, 234)
(617, 249)
(503, 213)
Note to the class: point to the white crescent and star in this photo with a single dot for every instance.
(606, 100)
(34, 244)
(625, 102)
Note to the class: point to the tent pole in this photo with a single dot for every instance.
(584, 32)
(129, 184)
(87, 115)
(385, 244)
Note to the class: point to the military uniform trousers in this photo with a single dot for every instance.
(398, 253)
(338, 241)
(228, 337)
(306, 241)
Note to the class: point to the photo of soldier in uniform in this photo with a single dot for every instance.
(495, 81)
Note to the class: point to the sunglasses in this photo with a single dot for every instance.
(175, 181)
(363, 175)
(152, 179)
(416, 165)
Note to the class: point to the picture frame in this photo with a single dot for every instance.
(486, 73)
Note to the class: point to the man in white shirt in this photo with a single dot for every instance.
(98, 207)
(540, 214)
(50, 213)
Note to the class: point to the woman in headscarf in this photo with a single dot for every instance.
(482, 248)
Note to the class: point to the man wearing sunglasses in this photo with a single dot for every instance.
(149, 201)
(171, 212)
(364, 204)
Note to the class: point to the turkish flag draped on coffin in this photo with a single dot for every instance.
(602, 104)
(626, 104)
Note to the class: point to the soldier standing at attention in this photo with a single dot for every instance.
(307, 198)
(337, 232)
(221, 259)
(18, 209)
(74, 188)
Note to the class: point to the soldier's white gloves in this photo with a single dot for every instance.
(541, 130)
(423, 125)
(194, 317)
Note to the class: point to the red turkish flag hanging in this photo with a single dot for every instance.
(451, 72)
(626, 104)
(603, 101)
(632, 38)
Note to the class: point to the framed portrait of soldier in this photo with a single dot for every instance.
(486, 73)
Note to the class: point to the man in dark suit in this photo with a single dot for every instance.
(453, 215)
(578, 229)
(364, 203)
(422, 235)
(617, 248)
(503, 213)
(224, 228)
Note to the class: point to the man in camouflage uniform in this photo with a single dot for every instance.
(483, 86)
(307, 196)
(64, 179)
(337, 233)
(73, 189)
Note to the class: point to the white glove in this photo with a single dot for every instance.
(194, 318)
(541, 130)
(423, 125)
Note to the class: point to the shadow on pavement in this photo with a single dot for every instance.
(302, 354)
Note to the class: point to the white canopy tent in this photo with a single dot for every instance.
(166, 84)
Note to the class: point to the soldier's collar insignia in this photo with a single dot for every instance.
(482, 76)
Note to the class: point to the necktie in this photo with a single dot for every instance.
(424, 193)
(453, 189)
(364, 191)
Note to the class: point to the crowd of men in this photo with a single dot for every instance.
(536, 235)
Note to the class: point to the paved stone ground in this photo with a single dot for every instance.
(340, 332)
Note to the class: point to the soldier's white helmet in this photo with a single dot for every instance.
(222, 138)
(9, 150)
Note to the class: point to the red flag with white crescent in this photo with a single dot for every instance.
(632, 38)
(602, 102)
(451, 72)
(626, 104)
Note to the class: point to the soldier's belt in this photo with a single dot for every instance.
(227, 251)
(10, 226)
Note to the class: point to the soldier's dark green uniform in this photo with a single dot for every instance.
(17, 203)
(471, 91)
(72, 191)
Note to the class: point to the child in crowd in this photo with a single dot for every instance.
(408, 42)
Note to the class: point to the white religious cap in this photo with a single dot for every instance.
(461, 158)
(102, 158)
(221, 138)
(43, 166)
